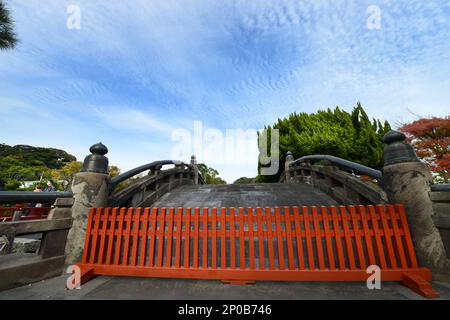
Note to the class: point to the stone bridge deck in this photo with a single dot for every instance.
(245, 195)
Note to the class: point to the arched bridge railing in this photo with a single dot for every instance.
(343, 186)
(376, 174)
(146, 190)
(129, 188)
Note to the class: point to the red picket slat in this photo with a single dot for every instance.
(143, 234)
(357, 237)
(407, 236)
(169, 218)
(205, 238)
(179, 226)
(377, 235)
(152, 236)
(242, 263)
(318, 236)
(94, 240)
(223, 225)
(268, 217)
(120, 230)
(298, 234)
(260, 238)
(328, 241)
(232, 239)
(187, 238)
(195, 237)
(126, 245)
(279, 233)
(111, 231)
(367, 234)
(135, 234)
(338, 238)
(104, 223)
(289, 238)
(347, 237)
(308, 237)
(160, 236)
(387, 235)
(87, 241)
(214, 238)
(398, 240)
(251, 238)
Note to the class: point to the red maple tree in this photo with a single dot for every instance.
(431, 139)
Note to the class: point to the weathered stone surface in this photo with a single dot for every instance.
(442, 196)
(409, 183)
(21, 269)
(90, 190)
(329, 179)
(64, 202)
(103, 287)
(4, 245)
(441, 209)
(249, 195)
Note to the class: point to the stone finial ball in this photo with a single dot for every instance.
(394, 136)
(289, 156)
(99, 148)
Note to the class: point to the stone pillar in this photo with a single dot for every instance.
(179, 167)
(195, 168)
(287, 169)
(157, 169)
(407, 181)
(91, 187)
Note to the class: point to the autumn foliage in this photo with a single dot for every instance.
(431, 139)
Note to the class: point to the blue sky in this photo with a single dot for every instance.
(138, 70)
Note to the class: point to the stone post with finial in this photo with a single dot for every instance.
(195, 168)
(287, 169)
(407, 181)
(91, 187)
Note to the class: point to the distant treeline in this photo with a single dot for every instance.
(26, 163)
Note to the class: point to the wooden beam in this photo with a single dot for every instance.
(36, 226)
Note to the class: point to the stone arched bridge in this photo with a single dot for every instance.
(170, 183)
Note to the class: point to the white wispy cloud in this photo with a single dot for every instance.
(136, 70)
(131, 119)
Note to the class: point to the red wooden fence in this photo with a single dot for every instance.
(243, 245)
(28, 213)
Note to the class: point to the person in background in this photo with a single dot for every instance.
(38, 188)
(50, 187)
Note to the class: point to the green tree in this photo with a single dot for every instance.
(8, 38)
(113, 171)
(245, 180)
(210, 175)
(12, 184)
(350, 136)
(26, 163)
(66, 173)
